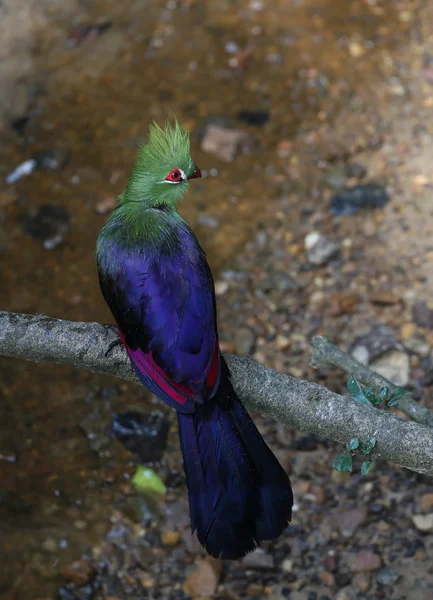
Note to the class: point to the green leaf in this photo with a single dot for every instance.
(397, 395)
(146, 480)
(365, 467)
(343, 463)
(383, 393)
(353, 444)
(367, 447)
(356, 392)
(369, 394)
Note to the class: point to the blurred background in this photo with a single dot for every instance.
(312, 122)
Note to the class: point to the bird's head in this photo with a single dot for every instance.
(163, 168)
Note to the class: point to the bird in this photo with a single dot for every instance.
(156, 280)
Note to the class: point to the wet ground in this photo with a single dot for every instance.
(341, 95)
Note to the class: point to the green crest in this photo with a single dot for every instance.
(162, 168)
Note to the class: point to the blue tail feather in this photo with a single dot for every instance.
(239, 495)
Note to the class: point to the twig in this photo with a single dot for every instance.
(325, 354)
(298, 404)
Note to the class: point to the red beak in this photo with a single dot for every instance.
(196, 174)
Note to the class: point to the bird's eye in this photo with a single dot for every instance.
(175, 176)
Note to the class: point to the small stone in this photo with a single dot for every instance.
(50, 545)
(48, 224)
(80, 524)
(255, 590)
(145, 434)
(254, 117)
(393, 365)
(222, 142)
(170, 538)
(348, 521)
(287, 565)
(53, 158)
(244, 341)
(407, 330)
(387, 576)
(342, 304)
(206, 220)
(359, 197)
(356, 49)
(327, 578)
(373, 344)
(147, 581)
(258, 560)
(319, 248)
(365, 560)
(221, 287)
(336, 178)
(423, 315)
(362, 581)
(417, 345)
(426, 501)
(423, 523)
(355, 170)
(319, 494)
(347, 593)
(282, 342)
(384, 298)
(204, 578)
(79, 572)
(107, 203)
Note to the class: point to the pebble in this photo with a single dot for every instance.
(347, 593)
(359, 197)
(365, 560)
(319, 248)
(254, 117)
(170, 538)
(107, 204)
(373, 344)
(79, 572)
(384, 298)
(327, 578)
(282, 342)
(221, 287)
(50, 545)
(387, 576)
(336, 178)
(393, 365)
(258, 560)
(348, 521)
(356, 170)
(204, 578)
(244, 341)
(423, 523)
(423, 315)
(144, 434)
(48, 224)
(206, 220)
(362, 580)
(222, 142)
(426, 501)
(255, 590)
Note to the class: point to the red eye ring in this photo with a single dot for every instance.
(175, 176)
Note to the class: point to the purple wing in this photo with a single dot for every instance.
(164, 307)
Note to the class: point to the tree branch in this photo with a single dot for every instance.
(326, 354)
(298, 404)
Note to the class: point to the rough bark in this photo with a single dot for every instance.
(298, 404)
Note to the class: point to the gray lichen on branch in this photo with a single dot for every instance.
(301, 405)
